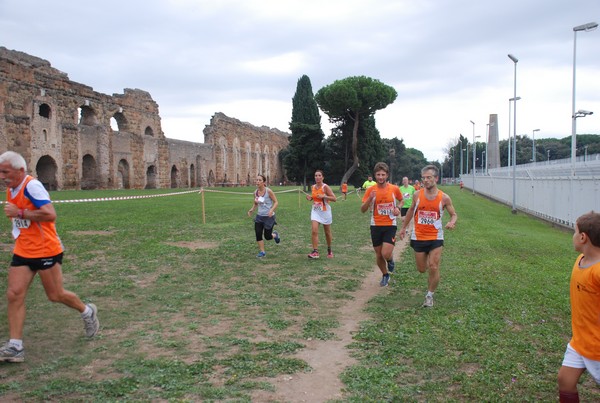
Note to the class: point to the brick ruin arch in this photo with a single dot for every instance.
(235, 161)
(192, 176)
(151, 177)
(175, 179)
(123, 175)
(83, 139)
(89, 179)
(45, 170)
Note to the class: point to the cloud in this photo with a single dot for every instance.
(447, 59)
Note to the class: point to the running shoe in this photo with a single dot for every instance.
(276, 237)
(91, 322)
(313, 255)
(391, 265)
(385, 280)
(9, 353)
(330, 255)
(262, 253)
(428, 302)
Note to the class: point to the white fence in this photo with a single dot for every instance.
(556, 191)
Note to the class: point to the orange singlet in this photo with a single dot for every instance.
(33, 239)
(428, 217)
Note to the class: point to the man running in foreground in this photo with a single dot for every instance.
(427, 238)
(38, 250)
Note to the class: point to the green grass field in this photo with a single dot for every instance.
(189, 314)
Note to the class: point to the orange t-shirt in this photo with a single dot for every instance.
(428, 217)
(385, 201)
(585, 309)
(344, 188)
(33, 239)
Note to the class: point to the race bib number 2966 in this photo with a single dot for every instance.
(427, 217)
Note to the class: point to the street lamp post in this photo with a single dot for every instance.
(467, 158)
(483, 158)
(508, 163)
(474, 156)
(508, 144)
(473, 123)
(533, 144)
(461, 161)
(514, 206)
(585, 27)
(548, 156)
(453, 163)
(579, 114)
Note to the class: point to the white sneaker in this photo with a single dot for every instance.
(428, 302)
(91, 323)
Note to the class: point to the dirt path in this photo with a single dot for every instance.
(329, 358)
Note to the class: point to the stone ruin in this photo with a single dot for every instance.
(64, 131)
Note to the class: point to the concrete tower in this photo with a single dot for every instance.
(493, 148)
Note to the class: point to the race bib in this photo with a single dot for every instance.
(386, 209)
(318, 206)
(21, 223)
(260, 200)
(427, 217)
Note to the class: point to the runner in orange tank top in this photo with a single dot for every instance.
(38, 250)
(321, 195)
(427, 237)
(384, 201)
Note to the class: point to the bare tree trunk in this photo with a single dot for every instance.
(351, 170)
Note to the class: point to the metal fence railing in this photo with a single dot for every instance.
(556, 191)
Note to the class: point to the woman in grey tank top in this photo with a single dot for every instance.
(266, 203)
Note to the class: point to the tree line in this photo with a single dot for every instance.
(545, 149)
(349, 153)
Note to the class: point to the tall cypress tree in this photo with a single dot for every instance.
(303, 155)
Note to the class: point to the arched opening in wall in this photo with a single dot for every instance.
(174, 177)
(45, 135)
(211, 178)
(44, 111)
(237, 179)
(45, 171)
(118, 122)
(151, 177)
(248, 180)
(123, 175)
(88, 173)
(192, 176)
(87, 116)
(224, 181)
(149, 131)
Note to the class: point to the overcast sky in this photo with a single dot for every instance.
(446, 58)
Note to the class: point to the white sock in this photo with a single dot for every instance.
(18, 344)
(86, 312)
(430, 294)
